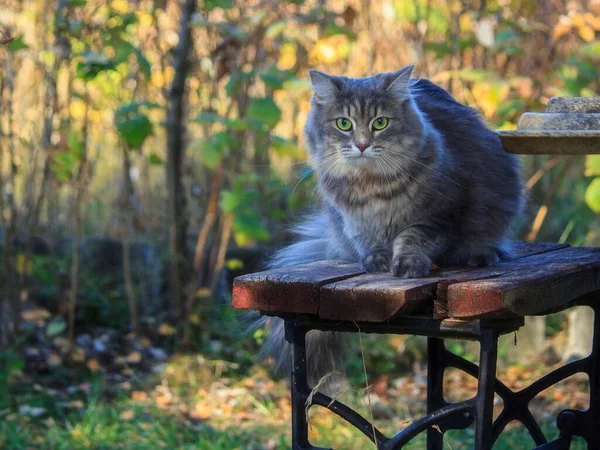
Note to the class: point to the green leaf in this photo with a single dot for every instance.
(56, 327)
(229, 201)
(208, 118)
(212, 4)
(77, 2)
(591, 50)
(143, 64)
(440, 49)
(297, 85)
(133, 126)
(332, 30)
(592, 195)
(285, 147)
(16, 44)
(92, 65)
(75, 143)
(212, 150)
(154, 159)
(275, 29)
(592, 165)
(247, 226)
(264, 110)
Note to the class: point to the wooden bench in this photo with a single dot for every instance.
(464, 303)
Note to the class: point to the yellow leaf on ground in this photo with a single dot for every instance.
(127, 415)
(54, 360)
(134, 358)
(93, 365)
(138, 396)
(201, 411)
(166, 330)
(35, 315)
(145, 342)
(78, 354)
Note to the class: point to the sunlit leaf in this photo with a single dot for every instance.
(154, 159)
(212, 4)
(275, 29)
(212, 150)
(16, 44)
(133, 126)
(264, 110)
(246, 224)
(92, 65)
(56, 327)
(592, 165)
(229, 201)
(285, 147)
(592, 195)
(333, 29)
(143, 64)
(591, 50)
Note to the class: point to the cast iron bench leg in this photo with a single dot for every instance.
(484, 401)
(436, 356)
(296, 336)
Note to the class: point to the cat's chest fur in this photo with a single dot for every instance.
(377, 220)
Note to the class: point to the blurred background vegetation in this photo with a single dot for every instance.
(150, 150)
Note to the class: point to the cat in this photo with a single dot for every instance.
(407, 177)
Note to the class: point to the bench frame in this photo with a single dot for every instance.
(443, 416)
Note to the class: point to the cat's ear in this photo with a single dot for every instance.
(398, 83)
(323, 86)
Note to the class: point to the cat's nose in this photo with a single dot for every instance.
(362, 147)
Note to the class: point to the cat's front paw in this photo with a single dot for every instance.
(411, 265)
(377, 261)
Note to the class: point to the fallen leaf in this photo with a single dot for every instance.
(166, 330)
(145, 342)
(138, 396)
(127, 415)
(93, 365)
(201, 411)
(78, 354)
(134, 358)
(35, 315)
(54, 360)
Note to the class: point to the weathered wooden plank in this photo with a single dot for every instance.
(339, 291)
(529, 286)
(381, 297)
(290, 290)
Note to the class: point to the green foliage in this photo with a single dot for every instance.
(133, 125)
(16, 44)
(212, 150)
(65, 163)
(91, 65)
(264, 110)
(592, 195)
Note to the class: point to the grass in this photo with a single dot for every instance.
(199, 404)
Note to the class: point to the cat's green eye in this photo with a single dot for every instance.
(344, 124)
(380, 123)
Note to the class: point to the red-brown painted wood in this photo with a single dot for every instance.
(289, 290)
(540, 278)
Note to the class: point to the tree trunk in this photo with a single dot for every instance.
(175, 155)
(127, 231)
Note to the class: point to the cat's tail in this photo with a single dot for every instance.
(323, 349)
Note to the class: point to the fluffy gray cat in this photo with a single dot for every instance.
(408, 177)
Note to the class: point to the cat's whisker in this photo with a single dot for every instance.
(428, 167)
(416, 180)
(313, 169)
